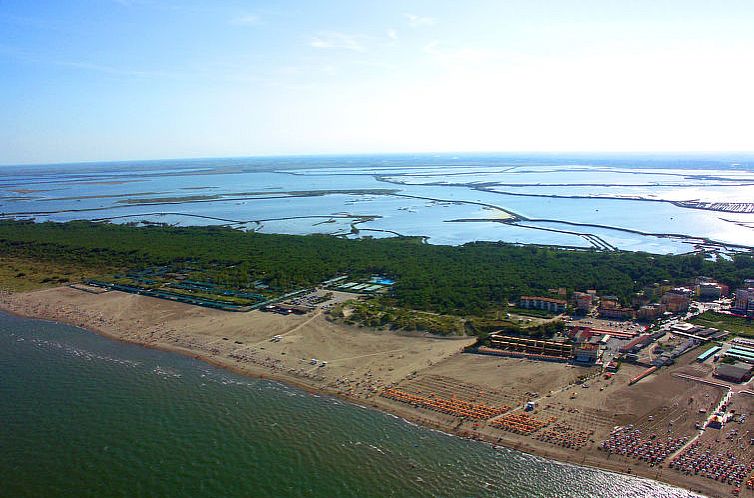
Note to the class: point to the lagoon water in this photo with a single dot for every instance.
(628, 203)
(84, 416)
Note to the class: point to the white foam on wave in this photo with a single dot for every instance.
(83, 353)
(165, 372)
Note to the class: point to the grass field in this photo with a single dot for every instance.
(21, 274)
(377, 313)
(737, 325)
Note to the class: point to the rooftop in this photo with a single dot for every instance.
(545, 299)
(737, 370)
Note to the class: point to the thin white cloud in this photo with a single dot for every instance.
(336, 40)
(145, 3)
(431, 48)
(138, 73)
(471, 56)
(246, 20)
(392, 38)
(20, 55)
(418, 21)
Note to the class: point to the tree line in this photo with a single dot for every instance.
(464, 280)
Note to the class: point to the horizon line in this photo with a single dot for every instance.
(700, 153)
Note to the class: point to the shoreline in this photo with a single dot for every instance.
(10, 304)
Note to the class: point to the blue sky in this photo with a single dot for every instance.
(141, 79)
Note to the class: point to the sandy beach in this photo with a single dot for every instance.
(361, 363)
